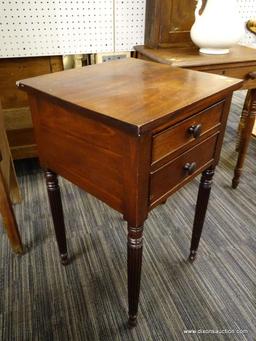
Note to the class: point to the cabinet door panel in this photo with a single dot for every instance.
(168, 22)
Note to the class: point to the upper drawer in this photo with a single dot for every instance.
(183, 134)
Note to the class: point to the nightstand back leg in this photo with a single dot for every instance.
(57, 213)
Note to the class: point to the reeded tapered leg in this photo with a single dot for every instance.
(201, 207)
(248, 115)
(57, 213)
(134, 243)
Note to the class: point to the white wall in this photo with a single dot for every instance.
(247, 10)
(54, 27)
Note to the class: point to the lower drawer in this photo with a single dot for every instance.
(165, 180)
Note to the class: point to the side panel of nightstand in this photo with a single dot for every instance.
(103, 160)
(84, 151)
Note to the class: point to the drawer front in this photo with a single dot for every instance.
(243, 73)
(182, 169)
(185, 133)
(238, 72)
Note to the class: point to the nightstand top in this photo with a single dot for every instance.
(132, 93)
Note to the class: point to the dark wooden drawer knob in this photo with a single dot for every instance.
(190, 167)
(195, 130)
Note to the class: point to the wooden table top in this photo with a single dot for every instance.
(132, 93)
(191, 57)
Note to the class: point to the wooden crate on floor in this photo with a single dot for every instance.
(16, 112)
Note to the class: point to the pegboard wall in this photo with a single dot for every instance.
(247, 10)
(54, 27)
(129, 24)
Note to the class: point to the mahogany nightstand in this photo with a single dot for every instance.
(131, 133)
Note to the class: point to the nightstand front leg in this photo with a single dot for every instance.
(201, 208)
(134, 243)
(57, 213)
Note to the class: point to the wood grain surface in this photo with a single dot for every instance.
(190, 57)
(131, 93)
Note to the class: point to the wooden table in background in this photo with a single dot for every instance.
(239, 63)
(131, 133)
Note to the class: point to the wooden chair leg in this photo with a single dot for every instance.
(201, 207)
(9, 219)
(246, 132)
(134, 251)
(242, 120)
(14, 189)
(57, 213)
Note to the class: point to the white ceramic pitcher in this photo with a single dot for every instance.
(218, 28)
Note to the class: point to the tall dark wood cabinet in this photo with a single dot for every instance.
(168, 22)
